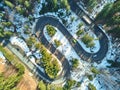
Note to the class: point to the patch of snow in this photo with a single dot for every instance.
(25, 36)
(37, 9)
(19, 42)
(79, 73)
(9, 29)
(97, 84)
(28, 53)
(84, 84)
(19, 19)
(37, 54)
(65, 48)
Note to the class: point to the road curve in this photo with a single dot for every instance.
(39, 27)
(103, 39)
(44, 20)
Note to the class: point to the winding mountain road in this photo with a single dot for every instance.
(103, 38)
(39, 27)
(44, 20)
(94, 57)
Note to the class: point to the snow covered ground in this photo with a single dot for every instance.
(96, 46)
(79, 74)
(65, 48)
(1, 55)
(69, 53)
(38, 7)
(72, 27)
(21, 43)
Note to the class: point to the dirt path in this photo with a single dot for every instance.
(28, 82)
(6, 69)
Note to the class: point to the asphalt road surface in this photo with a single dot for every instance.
(103, 39)
(94, 57)
(44, 20)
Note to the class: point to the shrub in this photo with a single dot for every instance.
(54, 5)
(78, 84)
(90, 77)
(1, 33)
(51, 30)
(9, 83)
(9, 4)
(6, 24)
(80, 25)
(57, 43)
(21, 1)
(31, 41)
(79, 32)
(94, 70)
(65, 4)
(69, 84)
(51, 67)
(27, 4)
(19, 9)
(91, 4)
(88, 40)
(75, 63)
(49, 63)
(41, 85)
(91, 87)
(20, 68)
(72, 19)
(8, 34)
(91, 44)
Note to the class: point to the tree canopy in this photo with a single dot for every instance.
(54, 5)
(110, 15)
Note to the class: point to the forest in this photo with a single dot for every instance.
(110, 16)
